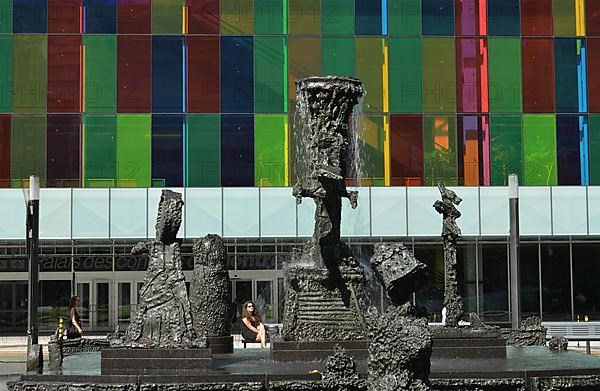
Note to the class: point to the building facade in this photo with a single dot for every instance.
(107, 101)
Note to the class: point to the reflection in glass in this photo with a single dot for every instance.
(530, 279)
(586, 270)
(431, 295)
(556, 282)
(494, 282)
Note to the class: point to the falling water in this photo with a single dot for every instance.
(356, 151)
(373, 288)
(301, 136)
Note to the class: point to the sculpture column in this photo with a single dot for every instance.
(450, 233)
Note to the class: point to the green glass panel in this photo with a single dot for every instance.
(100, 84)
(505, 148)
(6, 16)
(304, 16)
(372, 135)
(439, 88)
(270, 75)
(505, 75)
(439, 147)
(30, 62)
(406, 77)
(338, 16)
(539, 150)
(237, 17)
(404, 17)
(369, 69)
(338, 56)
(594, 134)
(270, 17)
(6, 64)
(167, 16)
(564, 17)
(28, 149)
(203, 141)
(270, 146)
(133, 150)
(99, 150)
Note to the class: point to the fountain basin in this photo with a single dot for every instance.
(524, 369)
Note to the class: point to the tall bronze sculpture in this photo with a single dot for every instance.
(324, 286)
(164, 316)
(450, 233)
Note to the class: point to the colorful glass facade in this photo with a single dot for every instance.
(196, 93)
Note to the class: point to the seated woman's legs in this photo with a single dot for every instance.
(262, 335)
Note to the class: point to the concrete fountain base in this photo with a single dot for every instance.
(523, 369)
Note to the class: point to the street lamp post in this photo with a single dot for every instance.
(513, 197)
(34, 349)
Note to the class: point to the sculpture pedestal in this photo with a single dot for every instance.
(319, 309)
(464, 342)
(220, 345)
(317, 351)
(155, 361)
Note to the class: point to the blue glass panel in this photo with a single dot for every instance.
(593, 204)
(469, 207)
(237, 150)
(12, 210)
(205, 202)
(584, 146)
(55, 213)
(167, 74)
(128, 213)
(569, 210)
(423, 220)
(237, 75)
(167, 149)
(357, 222)
(535, 211)
(438, 17)
(388, 211)
(368, 17)
(493, 210)
(100, 16)
(567, 150)
(566, 64)
(306, 218)
(277, 212)
(90, 213)
(30, 16)
(241, 213)
(504, 17)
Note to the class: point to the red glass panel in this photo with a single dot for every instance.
(471, 17)
(406, 150)
(538, 75)
(592, 15)
(593, 47)
(64, 73)
(64, 16)
(536, 17)
(63, 150)
(203, 16)
(203, 77)
(472, 75)
(134, 17)
(134, 74)
(5, 150)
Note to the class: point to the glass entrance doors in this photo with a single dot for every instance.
(96, 304)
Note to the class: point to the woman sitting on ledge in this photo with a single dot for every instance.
(252, 327)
